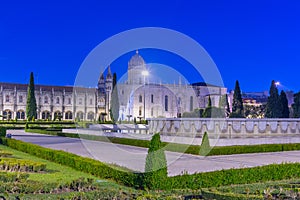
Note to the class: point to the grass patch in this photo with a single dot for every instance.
(54, 172)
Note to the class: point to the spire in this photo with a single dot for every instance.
(109, 75)
(101, 76)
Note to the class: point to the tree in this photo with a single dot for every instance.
(237, 104)
(156, 164)
(296, 105)
(224, 104)
(284, 105)
(273, 108)
(115, 107)
(213, 112)
(208, 110)
(31, 106)
(205, 146)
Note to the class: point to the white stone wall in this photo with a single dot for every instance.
(225, 128)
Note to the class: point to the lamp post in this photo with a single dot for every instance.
(145, 73)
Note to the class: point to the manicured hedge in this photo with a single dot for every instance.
(12, 177)
(218, 195)
(236, 176)
(87, 165)
(2, 131)
(20, 165)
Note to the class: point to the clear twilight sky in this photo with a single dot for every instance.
(254, 41)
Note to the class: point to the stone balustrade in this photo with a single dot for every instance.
(224, 128)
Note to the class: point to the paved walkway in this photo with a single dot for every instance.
(134, 157)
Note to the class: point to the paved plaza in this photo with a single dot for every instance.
(134, 157)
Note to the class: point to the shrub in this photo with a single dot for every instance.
(2, 131)
(205, 146)
(156, 165)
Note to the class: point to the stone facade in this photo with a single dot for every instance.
(138, 98)
(52, 102)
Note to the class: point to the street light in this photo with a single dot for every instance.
(145, 73)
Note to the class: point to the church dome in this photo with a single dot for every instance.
(136, 62)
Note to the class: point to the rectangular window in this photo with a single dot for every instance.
(20, 99)
(140, 99)
(91, 101)
(152, 98)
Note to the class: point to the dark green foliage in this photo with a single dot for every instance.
(236, 176)
(197, 113)
(115, 107)
(213, 112)
(31, 106)
(252, 111)
(205, 146)
(284, 105)
(2, 131)
(237, 104)
(156, 165)
(296, 105)
(273, 108)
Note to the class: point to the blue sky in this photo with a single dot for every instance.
(252, 41)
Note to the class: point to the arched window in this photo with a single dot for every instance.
(191, 103)
(7, 114)
(46, 100)
(166, 103)
(140, 98)
(20, 114)
(46, 115)
(7, 98)
(179, 101)
(152, 112)
(152, 98)
(69, 100)
(57, 115)
(140, 111)
(69, 115)
(90, 116)
(79, 115)
(57, 100)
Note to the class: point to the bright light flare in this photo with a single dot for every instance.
(277, 83)
(145, 73)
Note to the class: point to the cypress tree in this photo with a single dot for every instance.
(237, 104)
(285, 112)
(296, 105)
(114, 110)
(227, 107)
(156, 164)
(208, 109)
(31, 106)
(224, 104)
(273, 108)
(205, 146)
